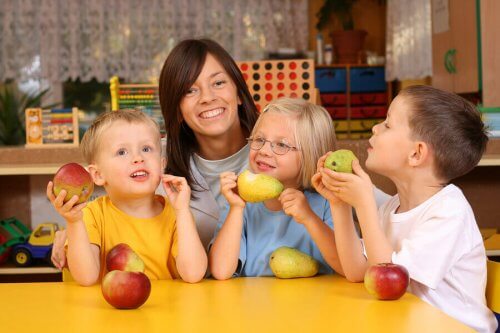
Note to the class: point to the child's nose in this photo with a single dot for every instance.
(375, 128)
(266, 149)
(138, 158)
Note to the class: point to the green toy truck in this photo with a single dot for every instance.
(26, 245)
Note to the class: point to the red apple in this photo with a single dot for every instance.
(73, 178)
(123, 258)
(387, 281)
(126, 290)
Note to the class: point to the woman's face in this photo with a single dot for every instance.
(210, 108)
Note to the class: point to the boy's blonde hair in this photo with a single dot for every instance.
(91, 144)
(314, 133)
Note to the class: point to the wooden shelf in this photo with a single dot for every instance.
(29, 169)
(11, 270)
(490, 160)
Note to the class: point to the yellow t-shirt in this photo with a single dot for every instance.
(153, 239)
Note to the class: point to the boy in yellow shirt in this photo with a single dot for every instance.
(123, 151)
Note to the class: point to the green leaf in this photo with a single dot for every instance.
(12, 106)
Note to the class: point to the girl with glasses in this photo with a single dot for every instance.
(286, 142)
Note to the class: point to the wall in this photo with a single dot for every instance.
(368, 15)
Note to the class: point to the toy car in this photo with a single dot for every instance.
(27, 245)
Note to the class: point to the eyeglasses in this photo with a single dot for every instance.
(279, 148)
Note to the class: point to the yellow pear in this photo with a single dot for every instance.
(287, 263)
(254, 187)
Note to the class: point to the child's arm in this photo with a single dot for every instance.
(295, 204)
(83, 257)
(191, 260)
(224, 253)
(357, 190)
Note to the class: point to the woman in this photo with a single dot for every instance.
(209, 112)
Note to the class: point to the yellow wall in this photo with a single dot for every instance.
(368, 15)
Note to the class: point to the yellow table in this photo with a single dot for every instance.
(320, 304)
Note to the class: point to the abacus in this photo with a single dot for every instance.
(139, 96)
(271, 79)
(51, 128)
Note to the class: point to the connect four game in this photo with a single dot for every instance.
(271, 79)
(51, 128)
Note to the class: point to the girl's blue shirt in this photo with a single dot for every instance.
(264, 231)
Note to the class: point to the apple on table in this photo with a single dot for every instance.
(387, 281)
(125, 286)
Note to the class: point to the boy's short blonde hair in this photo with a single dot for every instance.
(91, 144)
(314, 133)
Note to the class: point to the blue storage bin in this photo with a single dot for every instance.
(368, 79)
(330, 80)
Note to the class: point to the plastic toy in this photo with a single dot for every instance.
(26, 245)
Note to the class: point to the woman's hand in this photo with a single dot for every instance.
(177, 190)
(295, 204)
(228, 188)
(70, 211)
(58, 255)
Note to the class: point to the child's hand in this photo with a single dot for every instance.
(227, 187)
(318, 183)
(354, 189)
(68, 210)
(177, 190)
(295, 204)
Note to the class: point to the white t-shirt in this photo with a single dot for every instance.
(441, 246)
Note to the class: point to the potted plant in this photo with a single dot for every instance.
(348, 42)
(12, 105)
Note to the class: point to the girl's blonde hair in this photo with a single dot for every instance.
(314, 133)
(91, 144)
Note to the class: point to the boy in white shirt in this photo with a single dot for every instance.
(428, 138)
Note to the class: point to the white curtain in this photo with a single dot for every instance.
(56, 40)
(408, 40)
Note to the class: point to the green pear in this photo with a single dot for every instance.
(340, 161)
(258, 187)
(287, 263)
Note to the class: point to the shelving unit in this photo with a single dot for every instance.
(356, 96)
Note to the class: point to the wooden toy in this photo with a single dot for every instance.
(51, 128)
(139, 96)
(268, 80)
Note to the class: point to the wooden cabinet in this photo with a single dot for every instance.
(454, 52)
(466, 58)
(490, 52)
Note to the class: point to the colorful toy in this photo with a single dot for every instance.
(51, 128)
(268, 80)
(26, 245)
(140, 96)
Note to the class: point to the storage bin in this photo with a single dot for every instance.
(331, 79)
(368, 79)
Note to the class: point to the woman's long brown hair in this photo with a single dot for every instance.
(180, 70)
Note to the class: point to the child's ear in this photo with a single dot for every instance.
(419, 154)
(96, 175)
(163, 164)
